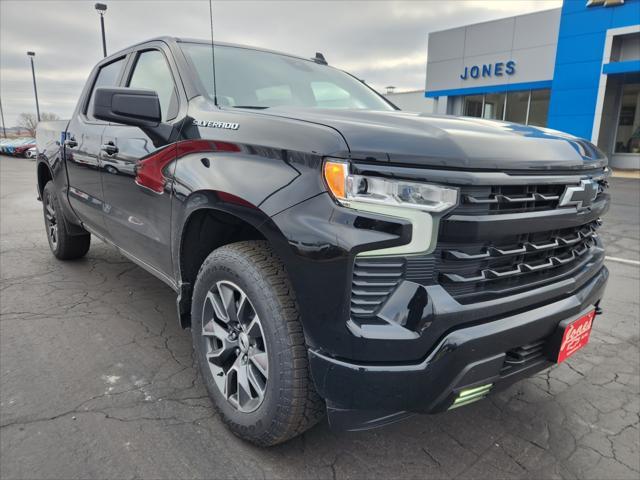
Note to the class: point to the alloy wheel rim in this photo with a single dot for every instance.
(51, 221)
(235, 347)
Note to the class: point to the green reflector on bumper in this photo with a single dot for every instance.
(470, 395)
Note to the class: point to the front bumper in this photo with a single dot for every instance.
(366, 395)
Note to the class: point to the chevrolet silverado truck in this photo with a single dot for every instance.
(331, 254)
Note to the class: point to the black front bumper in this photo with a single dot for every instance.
(361, 396)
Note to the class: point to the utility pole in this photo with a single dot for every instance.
(4, 130)
(101, 8)
(35, 88)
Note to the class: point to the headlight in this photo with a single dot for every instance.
(347, 188)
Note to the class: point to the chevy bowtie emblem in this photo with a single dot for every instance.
(581, 196)
(606, 3)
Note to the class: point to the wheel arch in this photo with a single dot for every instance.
(209, 222)
(44, 176)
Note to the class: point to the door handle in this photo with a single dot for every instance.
(70, 142)
(109, 148)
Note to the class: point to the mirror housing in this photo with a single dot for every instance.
(139, 108)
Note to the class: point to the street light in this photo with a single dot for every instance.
(101, 8)
(4, 130)
(35, 88)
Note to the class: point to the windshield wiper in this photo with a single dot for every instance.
(255, 107)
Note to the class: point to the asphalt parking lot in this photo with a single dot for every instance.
(97, 380)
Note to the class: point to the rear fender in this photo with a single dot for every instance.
(50, 166)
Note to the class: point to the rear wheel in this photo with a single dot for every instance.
(250, 345)
(63, 245)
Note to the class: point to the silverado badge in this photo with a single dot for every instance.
(225, 125)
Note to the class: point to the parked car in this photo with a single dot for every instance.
(31, 153)
(21, 149)
(17, 146)
(330, 253)
(5, 142)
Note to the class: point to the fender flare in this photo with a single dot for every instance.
(58, 176)
(221, 202)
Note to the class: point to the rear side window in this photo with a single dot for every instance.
(152, 73)
(108, 76)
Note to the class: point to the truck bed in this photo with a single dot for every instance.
(50, 137)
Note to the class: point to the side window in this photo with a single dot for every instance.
(107, 77)
(152, 73)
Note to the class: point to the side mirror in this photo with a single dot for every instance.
(139, 108)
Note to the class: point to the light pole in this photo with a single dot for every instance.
(4, 130)
(101, 8)
(35, 88)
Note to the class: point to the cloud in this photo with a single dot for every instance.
(382, 42)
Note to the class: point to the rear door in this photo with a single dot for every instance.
(82, 148)
(138, 217)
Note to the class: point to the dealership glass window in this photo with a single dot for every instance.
(628, 133)
(494, 106)
(473, 105)
(517, 106)
(526, 107)
(539, 108)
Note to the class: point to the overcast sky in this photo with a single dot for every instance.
(379, 41)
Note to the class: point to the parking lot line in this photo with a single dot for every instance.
(622, 260)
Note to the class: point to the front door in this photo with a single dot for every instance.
(137, 209)
(82, 148)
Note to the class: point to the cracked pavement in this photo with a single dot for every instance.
(97, 380)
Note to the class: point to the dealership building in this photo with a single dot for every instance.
(574, 69)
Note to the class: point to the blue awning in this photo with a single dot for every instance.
(629, 66)
(508, 87)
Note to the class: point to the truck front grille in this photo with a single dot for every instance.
(499, 199)
(476, 271)
(504, 239)
(499, 241)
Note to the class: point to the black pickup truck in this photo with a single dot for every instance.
(330, 253)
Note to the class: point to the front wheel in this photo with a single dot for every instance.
(63, 245)
(250, 345)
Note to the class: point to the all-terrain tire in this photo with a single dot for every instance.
(64, 246)
(290, 404)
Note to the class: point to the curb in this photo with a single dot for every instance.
(626, 174)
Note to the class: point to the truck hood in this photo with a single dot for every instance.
(451, 142)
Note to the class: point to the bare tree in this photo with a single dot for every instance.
(28, 121)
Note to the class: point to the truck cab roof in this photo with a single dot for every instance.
(171, 40)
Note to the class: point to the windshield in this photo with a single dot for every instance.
(256, 79)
